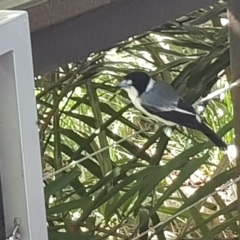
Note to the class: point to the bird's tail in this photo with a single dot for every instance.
(214, 138)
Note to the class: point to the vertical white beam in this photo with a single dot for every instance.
(20, 162)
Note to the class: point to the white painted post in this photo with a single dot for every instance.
(20, 162)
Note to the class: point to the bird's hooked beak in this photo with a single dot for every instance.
(123, 84)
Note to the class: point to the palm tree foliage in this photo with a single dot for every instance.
(141, 177)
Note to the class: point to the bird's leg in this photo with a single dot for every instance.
(168, 131)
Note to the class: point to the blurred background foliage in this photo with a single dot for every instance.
(111, 172)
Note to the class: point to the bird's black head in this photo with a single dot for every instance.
(137, 80)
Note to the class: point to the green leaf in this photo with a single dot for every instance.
(90, 165)
(210, 14)
(81, 203)
(189, 168)
(70, 236)
(143, 223)
(63, 181)
(218, 229)
(120, 187)
(230, 208)
(160, 233)
(210, 187)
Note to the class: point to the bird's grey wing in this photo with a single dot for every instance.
(168, 105)
(165, 98)
(162, 100)
(161, 96)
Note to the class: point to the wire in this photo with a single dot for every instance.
(90, 155)
(218, 92)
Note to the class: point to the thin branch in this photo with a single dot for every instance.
(214, 94)
(90, 156)
(187, 208)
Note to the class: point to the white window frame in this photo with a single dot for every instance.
(20, 161)
(19, 4)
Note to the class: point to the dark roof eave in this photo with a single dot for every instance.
(100, 29)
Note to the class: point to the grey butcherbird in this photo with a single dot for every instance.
(160, 101)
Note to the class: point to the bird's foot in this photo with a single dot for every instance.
(168, 131)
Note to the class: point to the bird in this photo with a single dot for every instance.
(160, 101)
